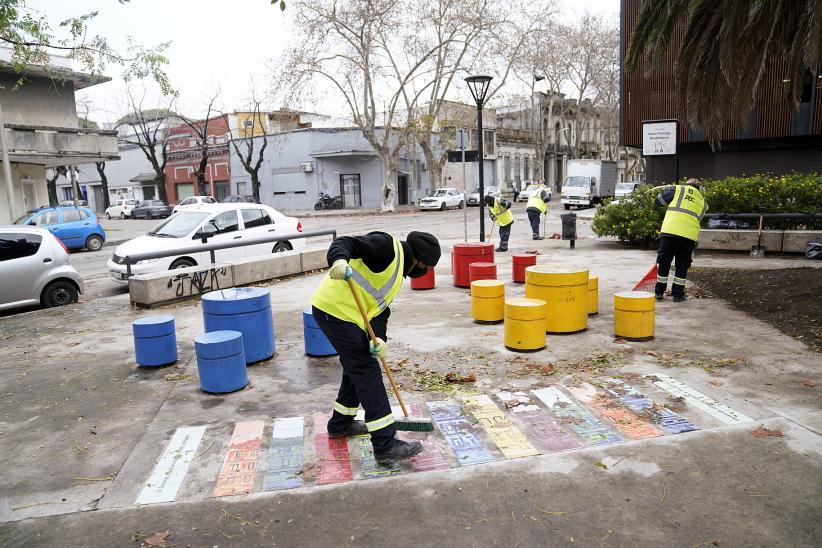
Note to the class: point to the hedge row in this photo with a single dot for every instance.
(636, 220)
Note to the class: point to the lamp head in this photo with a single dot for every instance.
(478, 84)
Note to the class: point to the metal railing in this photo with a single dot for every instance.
(211, 248)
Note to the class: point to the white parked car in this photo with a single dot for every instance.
(530, 190)
(121, 208)
(216, 223)
(443, 198)
(625, 189)
(474, 199)
(192, 201)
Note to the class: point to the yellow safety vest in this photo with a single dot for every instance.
(504, 216)
(684, 213)
(536, 201)
(376, 289)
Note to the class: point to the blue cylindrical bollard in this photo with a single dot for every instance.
(243, 309)
(221, 361)
(316, 343)
(155, 342)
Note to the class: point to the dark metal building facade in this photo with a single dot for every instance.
(776, 138)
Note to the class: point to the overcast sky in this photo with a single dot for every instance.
(216, 44)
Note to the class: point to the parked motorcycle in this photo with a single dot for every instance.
(327, 202)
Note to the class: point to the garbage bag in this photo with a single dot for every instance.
(813, 250)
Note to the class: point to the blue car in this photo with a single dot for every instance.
(76, 227)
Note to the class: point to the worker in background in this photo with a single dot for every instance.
(515, 188)
(500, 211)
(377, 262)
(537, 205)
(678, 236)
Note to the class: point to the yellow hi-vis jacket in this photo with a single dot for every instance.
(504, 216)
(376, 290)
(684, 213)
(537, 201)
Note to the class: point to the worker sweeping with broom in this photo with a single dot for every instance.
(537, 205)
(351, 306)
(678, 235)
(500, 211)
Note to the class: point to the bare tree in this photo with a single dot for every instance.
(148, 130)
(465, 35)
(51, 183)
(253, 153)
(591, 44)
(358, 48)
(101, 171)
(203, 141)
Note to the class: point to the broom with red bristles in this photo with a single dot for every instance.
(648, 283)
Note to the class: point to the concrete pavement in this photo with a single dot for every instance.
(81, 427)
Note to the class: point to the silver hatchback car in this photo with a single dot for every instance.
(35, 268)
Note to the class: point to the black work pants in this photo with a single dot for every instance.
(504, 234)
(533, 218)
(361, 376)
(673, 247)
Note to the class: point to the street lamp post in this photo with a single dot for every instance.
(478, 85)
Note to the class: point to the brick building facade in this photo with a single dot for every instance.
(185, 153)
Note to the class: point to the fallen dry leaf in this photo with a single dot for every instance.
(652, 353)
(547, 369)
(762, 432)
(454, 377)
(716, 383)
(619, 340)
(808, 383)
(157, 539)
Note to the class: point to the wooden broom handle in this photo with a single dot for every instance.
(374, 340)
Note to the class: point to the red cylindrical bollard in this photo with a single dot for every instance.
(424, 282)
(520, 263)
(482, 271)
(463, 255)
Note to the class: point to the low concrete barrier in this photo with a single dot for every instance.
(785, 241)
(150, 290)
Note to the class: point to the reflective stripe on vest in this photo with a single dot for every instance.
(504, 217)
(536, 201)
(684, 213)
(376, 289)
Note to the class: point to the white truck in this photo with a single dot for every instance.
(588, 182)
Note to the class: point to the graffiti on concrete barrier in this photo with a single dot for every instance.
(196, 283)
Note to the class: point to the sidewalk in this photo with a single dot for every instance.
(82, 428)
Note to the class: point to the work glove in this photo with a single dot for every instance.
(340, 270)
(380, 350)
(493, 218)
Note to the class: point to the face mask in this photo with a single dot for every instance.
(417, 272)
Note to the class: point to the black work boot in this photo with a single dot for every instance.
(501, 249)
(356, 428)
(679, 298)
(401, 450)
(659, 296)
(537, 237)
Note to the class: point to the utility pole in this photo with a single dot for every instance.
(75, 189)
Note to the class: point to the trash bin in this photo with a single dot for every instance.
(569, 227)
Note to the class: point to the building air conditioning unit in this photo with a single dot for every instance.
(307, 167)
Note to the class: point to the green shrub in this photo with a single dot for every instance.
(636, 220)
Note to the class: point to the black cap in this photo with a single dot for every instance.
(425, 247)
(489, 200)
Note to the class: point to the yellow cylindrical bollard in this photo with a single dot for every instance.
(634, 315)
(565, 290)
(488, 300)
(525, 324)
(593, 295)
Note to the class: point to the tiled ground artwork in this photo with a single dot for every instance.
(469, 429)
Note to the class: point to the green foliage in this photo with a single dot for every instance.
(636, 220)
(32, 40)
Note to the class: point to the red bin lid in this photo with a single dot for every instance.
(473, 248)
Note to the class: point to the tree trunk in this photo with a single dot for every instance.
(434, 167)
(389, 185)
(201, 184)
(101, 170)
(160, 180)
(255, 186)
